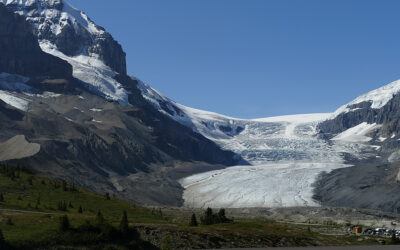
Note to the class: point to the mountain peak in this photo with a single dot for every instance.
(70, 31)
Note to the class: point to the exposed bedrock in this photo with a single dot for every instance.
(20, 51)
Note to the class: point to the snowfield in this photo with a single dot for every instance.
(286, 158)
(285, 154)
(267, 185)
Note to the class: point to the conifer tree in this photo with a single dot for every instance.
(124, 225)
(394, 238)
(2, 240)
(64, 223)
(221, 216)
(64, 185)
(9, 222)
(80, 210)
(107, 196)
(208, 218)
(1, 197)
(193, 221)
(99, 218)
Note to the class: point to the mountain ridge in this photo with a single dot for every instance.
(131, 138)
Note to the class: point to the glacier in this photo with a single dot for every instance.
(285, 154)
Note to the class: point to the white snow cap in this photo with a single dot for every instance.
(378, 98)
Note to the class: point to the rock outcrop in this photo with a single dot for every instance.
(21, 53)
(70, 30)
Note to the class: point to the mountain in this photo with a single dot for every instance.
(90, 122)
(70, 30)
(369, 128)
(346, 158)
(20, 51)
(108, 131)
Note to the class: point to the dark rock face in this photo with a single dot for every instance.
(187, 145)
(387, 115)
(366, 185)
(371, 183)
(20, 51)
(73, 35)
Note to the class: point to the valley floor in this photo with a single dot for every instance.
(32, 206)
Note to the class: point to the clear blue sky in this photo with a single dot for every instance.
(256, 58)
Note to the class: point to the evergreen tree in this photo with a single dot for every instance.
(107, 196)
(394, 238)
(80, 210)
(70, 205)
(193, 221)
(9, 222)
(1, 197)
(2, 240)
(64, 223)
(208, 218)
(124, 225)
(64, 185)
(62, 206)
(99, 218)
(221, 216)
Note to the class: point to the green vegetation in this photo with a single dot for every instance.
(39, 213)
(193, 221)
(36, 211)
(210, 218)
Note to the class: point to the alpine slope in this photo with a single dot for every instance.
(283, 157)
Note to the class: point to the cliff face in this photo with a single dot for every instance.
(70, 30)
(20, 51)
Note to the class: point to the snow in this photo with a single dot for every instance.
(267, 185)
(93, 72)
(78, 16)
(285, 154)
(378, 98)
(93, 120)
(87, 67)
(15, 101)
(46, 10)
(297, 119)
(382, 139)
(96, 110)
(12, 85)
(357, 133)
(286, 157)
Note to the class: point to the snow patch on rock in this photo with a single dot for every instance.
(13, 100)
(93, 72)
(357, 133)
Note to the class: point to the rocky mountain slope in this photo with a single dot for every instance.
(106, 130)
(70, 30)
(347, 158)
(20, 51)
(85, 137)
